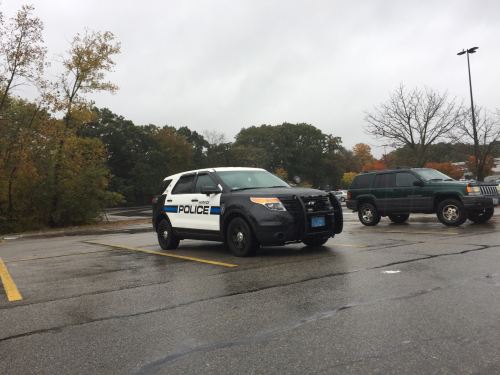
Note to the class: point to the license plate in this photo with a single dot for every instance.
(495, 201)
(317, 222)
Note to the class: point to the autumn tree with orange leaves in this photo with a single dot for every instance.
(448, 169)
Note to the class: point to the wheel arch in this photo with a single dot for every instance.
(159, 218)
(229, 216)
(441, 197)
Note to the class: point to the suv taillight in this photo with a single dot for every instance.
(348, 195)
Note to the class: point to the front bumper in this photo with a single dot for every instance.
(479, 202)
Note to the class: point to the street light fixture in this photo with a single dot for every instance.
(476, 145)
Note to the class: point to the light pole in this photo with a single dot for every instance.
(476, 142)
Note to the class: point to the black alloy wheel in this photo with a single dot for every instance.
(368, 214)
(399, 218)
(314, 241)
(240, 238)
(483, 216)
(166, 238)
(451, 212)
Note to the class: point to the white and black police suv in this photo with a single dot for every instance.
(244, 208)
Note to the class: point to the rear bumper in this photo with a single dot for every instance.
(352, 205)
(479, 202)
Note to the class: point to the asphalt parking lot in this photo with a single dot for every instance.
(417, 297)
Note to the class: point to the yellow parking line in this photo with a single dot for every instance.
(339, 244)
(1, 240)
(57, 256)
(8, 284)
(397, 231)
(166, 255)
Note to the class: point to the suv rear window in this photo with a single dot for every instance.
(383, 181)
(163, 187)
(361, 182)
(184, 185)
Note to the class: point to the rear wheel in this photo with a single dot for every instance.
(398, 218)
(240, 238)
(481, 216)
(342, 199)
(166, 238)
(314, 242)
(368, 214)
(451, 212)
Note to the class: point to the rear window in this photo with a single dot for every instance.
(383, 181)
(184, 185)
(163, 187)
(361, 182)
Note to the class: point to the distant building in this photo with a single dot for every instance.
(469, 176)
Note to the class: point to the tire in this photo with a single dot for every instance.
(451, 212)
(368, 214)
(399, 218)
(315, 242)
(240, 239)
(166, 237)
(342, 199)
(483, 216)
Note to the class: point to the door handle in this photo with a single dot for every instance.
(169, 200)
(194, 200)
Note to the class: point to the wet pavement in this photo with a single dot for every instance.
(417, 297)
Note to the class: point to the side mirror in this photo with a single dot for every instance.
(210, 190)
(418, 183)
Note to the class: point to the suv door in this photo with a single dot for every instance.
(207, 207)
(407, 197)
(179, 201)
(383, 191)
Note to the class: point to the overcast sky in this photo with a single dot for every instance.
(227, 65)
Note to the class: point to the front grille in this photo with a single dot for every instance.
(312, 204)
(489, 190)
(290, 205)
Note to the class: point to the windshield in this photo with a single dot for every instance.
(432, 174)
(238, 180)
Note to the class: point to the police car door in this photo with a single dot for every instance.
(207, 207)
(179, 201)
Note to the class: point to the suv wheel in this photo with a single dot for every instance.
(166, 238)
(314, 242)
(481, 216)
(399, 218)
(240, 238)
(368, 214)
(451, 212)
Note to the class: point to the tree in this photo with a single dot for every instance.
(448, 169)
(479, 139)
(377, 165)
(200, 145)
(22, 51)
(85, 64)
(414, 120)
(363, 152)
(487, 169)
(348, 177)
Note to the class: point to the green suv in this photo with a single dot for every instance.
(397, 193)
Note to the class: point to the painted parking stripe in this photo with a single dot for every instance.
(398, 231)
(8, 284)
(1, 240)
(164, 254)
(340, 244)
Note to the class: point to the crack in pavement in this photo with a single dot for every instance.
(254, 290)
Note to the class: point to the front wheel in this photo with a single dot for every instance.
(166, 237)
(315, 242)
(398, 218)
(240, 238)
(451, 212)
(483, 216)
(368, 214)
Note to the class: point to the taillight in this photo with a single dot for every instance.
(348, 195)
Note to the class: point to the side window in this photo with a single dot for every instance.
(204, 180)
(383, 181)
(405, 179)
(163, 187)
(184, 185)
(361, 182)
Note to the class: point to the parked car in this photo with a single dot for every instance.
(397, 193)
(341, 195)
(244, 208)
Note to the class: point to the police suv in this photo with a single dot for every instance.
(244, 208)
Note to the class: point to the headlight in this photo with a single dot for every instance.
(271, 203)
(474, 190)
